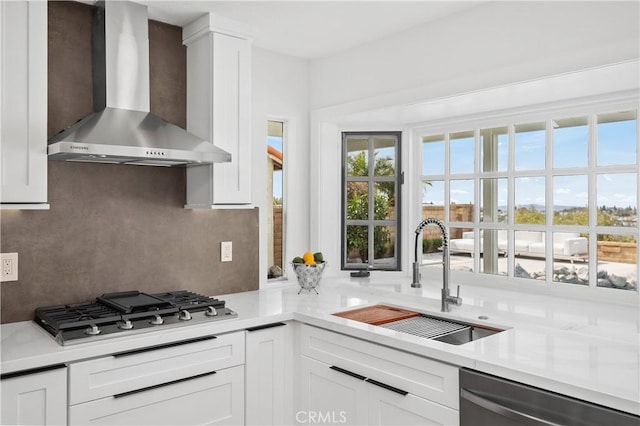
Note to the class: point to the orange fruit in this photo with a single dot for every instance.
(308, 259)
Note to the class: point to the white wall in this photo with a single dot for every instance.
(280, 91)
(498, 56)
(485, 46)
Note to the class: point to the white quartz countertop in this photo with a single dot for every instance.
(581, 349)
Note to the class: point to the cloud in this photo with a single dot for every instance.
(563, 191)
(625, 198)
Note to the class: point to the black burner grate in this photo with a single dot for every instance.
(186, 300)
(79, 315)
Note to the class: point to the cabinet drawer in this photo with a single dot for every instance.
(419, 376)
(211, 399)
(125, 372)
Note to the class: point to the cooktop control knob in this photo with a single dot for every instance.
(211, 311)
(157, 320)
(184, 316)
(92, 330)
(125, 325)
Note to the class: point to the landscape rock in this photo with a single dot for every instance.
(617, 281)
(275, 271)
(520, 272)
(583, 273)
(603, 282)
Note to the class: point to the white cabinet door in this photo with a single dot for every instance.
(265, 371)
(23, 108)
(214, 398)
(232, 118)
(219, 109)
(35, 399)
(330, 396)
(390, 408)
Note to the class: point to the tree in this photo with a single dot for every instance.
(358, 205)
(529, 215)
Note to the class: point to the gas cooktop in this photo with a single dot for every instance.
(130, 312)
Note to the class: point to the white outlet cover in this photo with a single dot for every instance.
(13, 258)
(226, 251)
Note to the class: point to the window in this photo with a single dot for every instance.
(553, 201)
(275, 199)
(371, 200)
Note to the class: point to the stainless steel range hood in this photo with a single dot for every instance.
(122, 130)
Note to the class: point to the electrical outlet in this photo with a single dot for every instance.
(226, 251)
(9, 267)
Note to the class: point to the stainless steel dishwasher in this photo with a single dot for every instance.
(494, 401)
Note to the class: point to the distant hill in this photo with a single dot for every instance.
(540, 207)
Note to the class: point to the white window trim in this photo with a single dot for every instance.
(591, 106)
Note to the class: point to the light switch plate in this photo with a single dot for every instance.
(9, 271)
(226, 251)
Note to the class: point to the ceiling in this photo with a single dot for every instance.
(311, 29)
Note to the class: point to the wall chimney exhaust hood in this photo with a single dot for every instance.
(122, 130)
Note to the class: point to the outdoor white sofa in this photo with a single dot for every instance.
(568, 245)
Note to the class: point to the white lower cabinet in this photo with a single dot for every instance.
(345, 380)
(214, 398)
(199, 381)
(268, 383)
(390, 408)
(35, 398)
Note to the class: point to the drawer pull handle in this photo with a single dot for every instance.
(348, 373)
(173, 382)
(167, 345)
(31, 371)
(387, 387)
(265, 326)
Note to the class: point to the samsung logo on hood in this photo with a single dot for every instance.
(122, 130)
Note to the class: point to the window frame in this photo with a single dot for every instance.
(285, 137)
(370, 222)
(577, 108)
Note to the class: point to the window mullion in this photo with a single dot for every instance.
(371, 196)
(447, 179)
(549, 208)
(592, 203)
(510, 202)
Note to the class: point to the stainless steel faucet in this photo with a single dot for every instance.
(447, 299)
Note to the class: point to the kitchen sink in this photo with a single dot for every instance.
(440, 329)
(418, 324)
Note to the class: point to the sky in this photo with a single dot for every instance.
(616, 145)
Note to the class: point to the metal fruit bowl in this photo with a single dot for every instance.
(308, 275)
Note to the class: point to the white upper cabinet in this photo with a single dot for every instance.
(219, 109)
(23, 111)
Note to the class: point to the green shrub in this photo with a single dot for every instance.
(431, 245)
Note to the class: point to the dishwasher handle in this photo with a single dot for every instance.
(504, 411)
